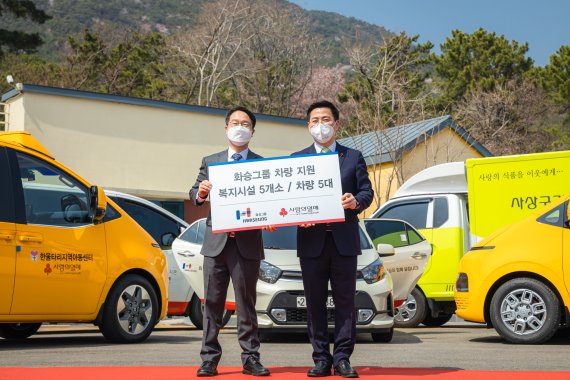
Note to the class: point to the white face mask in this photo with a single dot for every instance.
(322, 132)
(239, 135)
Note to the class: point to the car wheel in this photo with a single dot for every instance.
(438, 321)
(412, 312)
(196, 313)
(131, 310)
(526, 311)
(384, 336)
(18, 330)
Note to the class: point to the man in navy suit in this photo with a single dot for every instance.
(328, 251)
(234, 255)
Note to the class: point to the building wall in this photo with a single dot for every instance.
(147, 151)
(445, 146)
(379, 175)
(14, 116)
(156, 152)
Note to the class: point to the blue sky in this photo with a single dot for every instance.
(544, 24)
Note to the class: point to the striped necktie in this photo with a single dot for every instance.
(236, 157)
(325, 150)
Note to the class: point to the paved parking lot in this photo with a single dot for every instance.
(176, 342)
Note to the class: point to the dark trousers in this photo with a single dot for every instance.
(341, 272)
(217, 273)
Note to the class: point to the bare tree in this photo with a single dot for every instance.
(387, 89)
(321, 83)
(209, 48)
(258, 53)
(509, 119)
(280, 56)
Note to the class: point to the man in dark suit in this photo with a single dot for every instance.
(328, 251)
(234, 255)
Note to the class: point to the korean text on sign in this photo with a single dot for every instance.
(275, 191)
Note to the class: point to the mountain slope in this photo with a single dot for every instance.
(71, 17)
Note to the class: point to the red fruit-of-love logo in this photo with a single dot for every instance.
(47, 269)
(283, 212)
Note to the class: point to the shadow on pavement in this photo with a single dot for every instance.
(83, 338)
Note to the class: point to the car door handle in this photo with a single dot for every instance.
(6, 237)
(186, 254)
(418, 255)
(34, 239)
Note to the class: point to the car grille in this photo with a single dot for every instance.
(300, 315)
(297, 276)
(287, 300)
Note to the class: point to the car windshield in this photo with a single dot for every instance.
(286, 238)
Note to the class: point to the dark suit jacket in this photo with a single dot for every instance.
(249, 242)
(354, 179)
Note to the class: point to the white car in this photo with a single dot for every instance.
(280, 298)
(164, 227)
(407, 265)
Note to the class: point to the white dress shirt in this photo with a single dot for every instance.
(332, 147)
(243, 154)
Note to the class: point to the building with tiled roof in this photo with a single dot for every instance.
(395, 154)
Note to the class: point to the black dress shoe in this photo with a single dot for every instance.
(208, 368)
(253, 367)
(344, 369)
(321, 369)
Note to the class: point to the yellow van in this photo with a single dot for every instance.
(456, 204)
(517, 280)
(70, 254)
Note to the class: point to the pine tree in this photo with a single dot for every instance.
(478, 61)
(15, 40)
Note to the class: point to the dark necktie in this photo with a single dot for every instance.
(236, 157)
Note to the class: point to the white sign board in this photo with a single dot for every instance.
(278, 191)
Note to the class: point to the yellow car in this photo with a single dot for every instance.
(517, 280)
(70, 254)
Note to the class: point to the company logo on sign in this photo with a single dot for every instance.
(34, 256)
(283, 212)
(303, 210)
(248, 216)
(241, 214)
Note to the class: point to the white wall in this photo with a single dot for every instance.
(143, 150)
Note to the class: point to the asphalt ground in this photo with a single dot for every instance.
(176, 342)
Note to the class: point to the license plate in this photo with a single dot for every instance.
(302, 302)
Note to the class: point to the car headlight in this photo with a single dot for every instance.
(268, 272)
(373, 272)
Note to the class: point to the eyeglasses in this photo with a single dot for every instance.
(245, 124)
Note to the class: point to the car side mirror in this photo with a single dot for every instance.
(385, 250)
(166, 239)
(97, 204)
